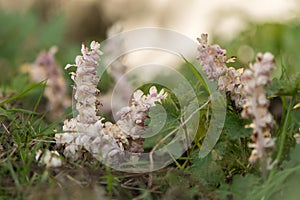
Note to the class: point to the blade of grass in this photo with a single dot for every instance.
(21, 94)
(283, 135)
(22, 111)
(38, 100)
(198, 74)
(13, 174)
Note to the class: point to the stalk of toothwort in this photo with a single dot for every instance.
(86, 132)
(246, 89)
(213, 61)
(254, 80)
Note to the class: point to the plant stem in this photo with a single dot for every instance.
(283, 135)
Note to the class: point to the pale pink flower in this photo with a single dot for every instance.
(212, 58)
(87, 133)
(256, 107)
(213, 61)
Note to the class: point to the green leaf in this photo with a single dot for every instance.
(20, 82)
(199, 74)
(294, 157)
(22, 111)
(284, 87)
(6, 114)
(276, 186)
(206, 170)
(234, 127)
(218, 107)
(157, 130)
(242, 186)
(158, 118)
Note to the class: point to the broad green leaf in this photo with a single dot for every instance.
(234, 126)
(243, 186)
(158, 118)
(206, 170)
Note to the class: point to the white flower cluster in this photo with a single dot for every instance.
(48, 158)
(87, 132)
(86, 81)
(231, 84)
(132, 119)
(256, 106)
(246, 90)
(212, 58)
(213, 61)
(84, 133)
(44, 68)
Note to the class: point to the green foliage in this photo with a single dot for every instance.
(284, 87)
(206, 170)
(161, 124)
(21, 134)
(234, 127)
(26, 34)
(241, 187)
(283, 185)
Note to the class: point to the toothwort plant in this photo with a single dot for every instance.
(246, 89)
(213, 61)
(86, 132)
(256, 107)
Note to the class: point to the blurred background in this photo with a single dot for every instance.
(28, 26)
(243, 27)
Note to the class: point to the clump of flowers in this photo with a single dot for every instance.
(132, 118)
(246, 89)
(256, 108)
(83, 133)
(87, 133)
(212, 58)
(48, 158)
(45, 67)
(231, 84)
(213, 61)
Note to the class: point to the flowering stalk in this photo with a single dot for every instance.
(213, 61)
(132, 119)
(256, 108)
(212, 58)
(246, 89)
(84, 133)
(45, 67)
(87, 133)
